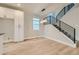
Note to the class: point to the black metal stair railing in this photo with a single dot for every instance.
(64, 11)
(66, 29)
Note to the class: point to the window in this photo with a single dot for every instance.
(36, 23)
(49, 19)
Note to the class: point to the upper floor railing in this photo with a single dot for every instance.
(64, 11)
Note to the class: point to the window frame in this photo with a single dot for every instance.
(33, 24)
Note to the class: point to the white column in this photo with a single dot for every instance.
(77, 32)
(1, 43)
(19, 26)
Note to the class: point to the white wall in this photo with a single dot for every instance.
(7, 22)
(28, 27)
(7, 27)
(28, 17)
(12, 24)
(72, 19)
(54, 34)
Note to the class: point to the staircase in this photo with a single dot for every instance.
(66, 29)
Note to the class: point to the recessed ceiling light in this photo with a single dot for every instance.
(19, 4)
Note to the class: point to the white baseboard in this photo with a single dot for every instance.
(31, 37)
(74, 45)
(7, 41)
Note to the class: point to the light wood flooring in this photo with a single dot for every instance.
(40, 46)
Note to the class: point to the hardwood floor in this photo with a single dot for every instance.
(40, 46)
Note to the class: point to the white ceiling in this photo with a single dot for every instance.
(35, 8)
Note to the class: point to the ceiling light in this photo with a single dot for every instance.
(18, 4)
(43, 21)
(43, 10)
